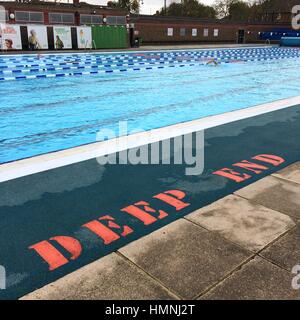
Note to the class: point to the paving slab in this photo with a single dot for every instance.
(274, 193)
(110, 278)
(286, 251)
(186, 258)
(291, 173)
(256, 280)
(243, 222)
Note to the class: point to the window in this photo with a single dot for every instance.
(182, 32)
(170, 32)
(116, 20)
(205, 32)
(3, 15)
(67, 18)
(121, 20)
(216, 32)
(29, 16)
(194, 32)
(90, 19)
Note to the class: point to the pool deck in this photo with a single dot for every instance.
(150, 48)
(243, 246)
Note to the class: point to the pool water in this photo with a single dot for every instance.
(42, 115)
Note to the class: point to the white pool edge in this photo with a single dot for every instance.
(41, 163)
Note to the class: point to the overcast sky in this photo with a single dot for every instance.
(150, 6)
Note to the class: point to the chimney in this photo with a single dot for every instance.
(76, 2)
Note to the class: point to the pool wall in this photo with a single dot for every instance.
(67, 194)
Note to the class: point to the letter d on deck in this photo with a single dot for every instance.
(2, 278)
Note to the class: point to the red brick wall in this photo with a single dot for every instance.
(156, 31)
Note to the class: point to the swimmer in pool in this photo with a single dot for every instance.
(212, 61)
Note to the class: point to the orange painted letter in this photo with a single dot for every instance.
(270, 158)
(144, 214)
(52, 256)
(232, 175)
(173, 198)
(104, 232)
(257, 168)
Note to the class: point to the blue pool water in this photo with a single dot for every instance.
(149, 91)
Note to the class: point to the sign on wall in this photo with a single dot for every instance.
(37, 37)
(194, 32)
(170, 32)
(62, 37)
(10, 37)
(84, 37)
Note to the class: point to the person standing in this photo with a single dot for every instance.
(58, 43)
(33, 41)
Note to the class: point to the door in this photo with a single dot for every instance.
(131, 37)
(241, 36)
(50, 38)
(74, 38)
(24, 38)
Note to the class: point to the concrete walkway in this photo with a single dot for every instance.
(241, 247)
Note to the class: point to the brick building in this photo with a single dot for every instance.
(152, 29)
(48, 13)
(158, 29)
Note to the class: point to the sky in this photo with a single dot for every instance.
(150, 6)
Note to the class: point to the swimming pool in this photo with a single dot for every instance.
(61, 101)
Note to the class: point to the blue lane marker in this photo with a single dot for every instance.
(160, 60)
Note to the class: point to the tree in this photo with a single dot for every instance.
(239, 11)
(258, 10)
(222, 8)
(132, 6)
(189, 8)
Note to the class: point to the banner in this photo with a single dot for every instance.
(10, 37)
(62, 37)
(37, 37)
(84, 37)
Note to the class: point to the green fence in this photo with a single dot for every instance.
(109, 37)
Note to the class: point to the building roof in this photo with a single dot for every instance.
(51, 5)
